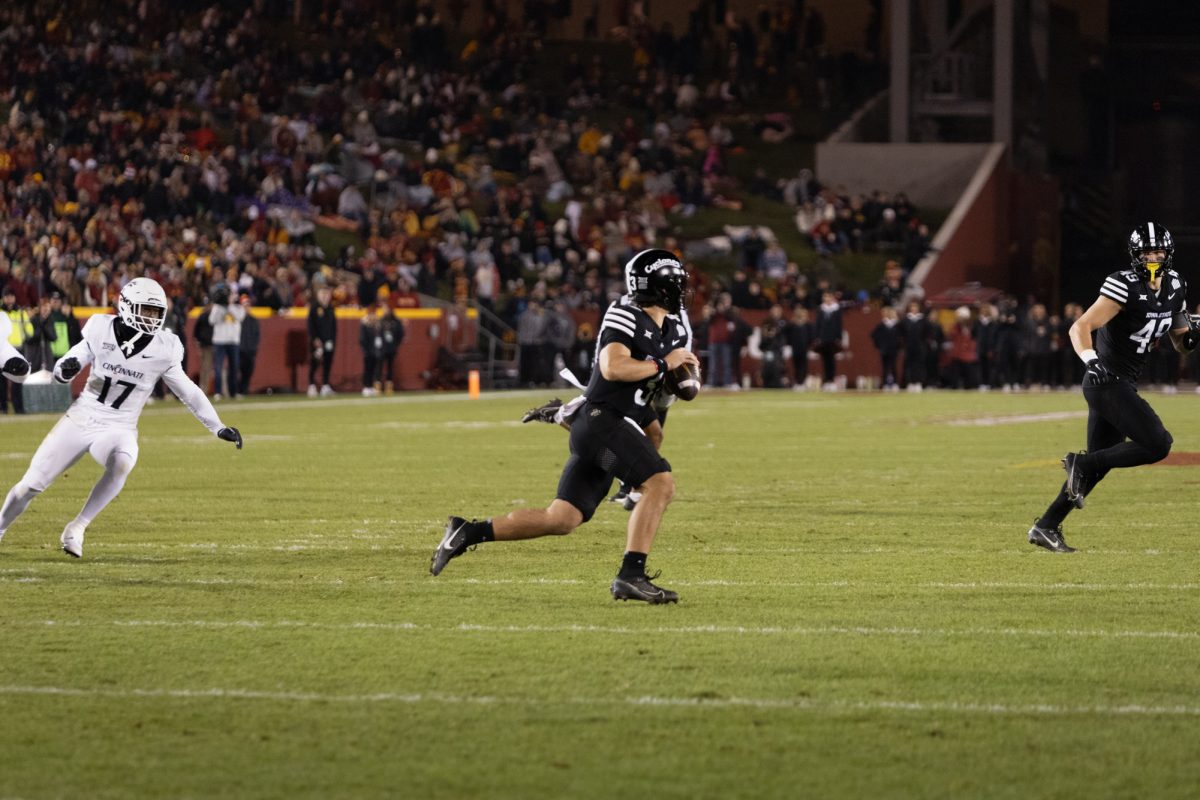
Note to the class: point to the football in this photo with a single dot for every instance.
(684, 381)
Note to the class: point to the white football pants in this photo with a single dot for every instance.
(115, 449)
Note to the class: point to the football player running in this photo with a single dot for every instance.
(654, 417)
(607, 438)
(128, 353)
(1135, 309)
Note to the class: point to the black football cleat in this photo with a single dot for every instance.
(1076, 481)
(620, 497)
(1049, 538)
(631, 500)
(453, 545)
(543, 413)
(640, 588)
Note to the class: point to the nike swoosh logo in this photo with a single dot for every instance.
(1172, 294)
(445, 545)
(146, 356)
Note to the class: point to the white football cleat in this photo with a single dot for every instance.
(327, 391)
(312, 390)
(72, 539)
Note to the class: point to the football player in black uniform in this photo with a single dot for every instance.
(677, 328)
(607, 438)
(1135, 309)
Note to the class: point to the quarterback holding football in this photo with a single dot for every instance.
(128, 352)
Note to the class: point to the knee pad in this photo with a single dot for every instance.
(120, 464)
(1162, 448)
(34, 485)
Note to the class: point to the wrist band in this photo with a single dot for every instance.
(662, 366)
(1088, 356)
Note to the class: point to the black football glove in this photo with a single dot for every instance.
(16, 367)
(231, 435)
(69, 368)
(1097, 374)
(1191, 339)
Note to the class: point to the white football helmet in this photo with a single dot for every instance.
(137, 303)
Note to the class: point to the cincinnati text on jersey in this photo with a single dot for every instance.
(118, 369)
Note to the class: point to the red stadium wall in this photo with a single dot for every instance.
(284, 341)
(978, 248)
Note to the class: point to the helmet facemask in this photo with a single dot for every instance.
(142, 306)
(1150, 238)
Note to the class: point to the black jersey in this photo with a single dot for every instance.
(625, 322)
(1145, 317)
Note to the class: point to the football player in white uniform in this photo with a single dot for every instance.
(128, 353)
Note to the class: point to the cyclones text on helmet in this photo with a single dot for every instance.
(656, 278)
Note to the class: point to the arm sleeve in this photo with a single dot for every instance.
(215, 315)
(190, 394)
(620, 326)
(82, 351)
(1115, 289)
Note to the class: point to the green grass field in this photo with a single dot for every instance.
(860, 613)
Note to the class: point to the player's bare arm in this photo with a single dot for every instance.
(1097, 316)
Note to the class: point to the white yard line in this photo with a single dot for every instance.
(97, 574)
(1010, 419)
(688, 630)
(169, 407)
(658, 701)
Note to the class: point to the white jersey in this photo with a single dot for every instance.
(121, 383)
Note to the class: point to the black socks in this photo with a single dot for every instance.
(633, 565)
(480, 531)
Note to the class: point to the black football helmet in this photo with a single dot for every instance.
(656, 278)
(1146, 238)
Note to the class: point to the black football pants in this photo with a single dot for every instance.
(1122, 431)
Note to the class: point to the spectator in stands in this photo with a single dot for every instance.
(45, 333)
(986, 334)
(21, 331)
(962, 372)
(917, 335)
(248, 347)
(801, 338)
(1038, 333)
(829, 338)
(392, 331)
(1010, 349)
(939, 352)
(721, 328)
(886, 336)
(226, 316)
(774, 261)
(560, 336)
(892, 287)
(322, 339)
(203, 333)
(370, 341)
(532, 342)
(768, 343)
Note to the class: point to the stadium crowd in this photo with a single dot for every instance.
(203, 146)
